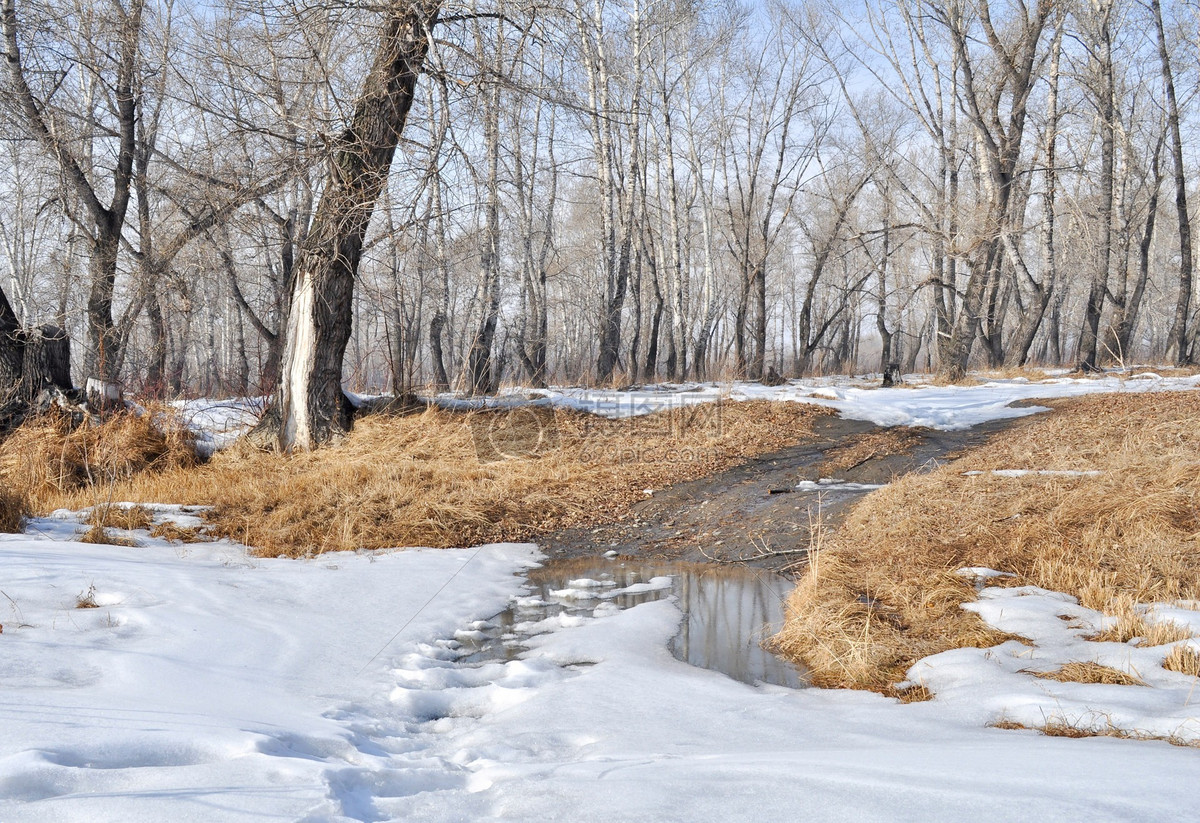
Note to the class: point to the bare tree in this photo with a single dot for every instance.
(312, 406)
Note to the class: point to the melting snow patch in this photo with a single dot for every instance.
(1002, 683)
(982, 573)
(829, 484)
(1038, 472)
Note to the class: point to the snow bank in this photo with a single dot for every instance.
(207, 684)
(213, 686)
(916, 404)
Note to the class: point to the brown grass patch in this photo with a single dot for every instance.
(1031, 373)
(1059, 727)
(1076, 672)
(178, 534)
(419, 480)
(49, 459)
(1183, 659)
(1008, 725)
(916, 693)
(864, 447)
(1130, 533)
(99, 535)
(1132, 624)
(14, 508)
(110, 515)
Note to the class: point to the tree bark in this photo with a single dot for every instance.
(12, 350)
(312, 405)
(1177, 339)
(1089, 342)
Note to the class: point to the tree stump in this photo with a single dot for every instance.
(103, 396)
(46, 362)
(773, 378)
(35, 372)
(892, 376)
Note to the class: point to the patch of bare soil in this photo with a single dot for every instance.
(756, 512)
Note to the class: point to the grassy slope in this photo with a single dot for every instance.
(882, 593)
(412, 481)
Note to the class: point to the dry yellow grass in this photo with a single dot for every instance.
(419, 480)
(884, 593)
(102, 536)
(128, 518)
(1132, 623)
(179, 534)
(14, 508)
(1077, 672)
(1183, 659)
(48, 458)
(1059, 727)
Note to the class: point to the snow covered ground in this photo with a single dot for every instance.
(915, 404)
(204, 684)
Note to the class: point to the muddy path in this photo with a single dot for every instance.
(762, 512)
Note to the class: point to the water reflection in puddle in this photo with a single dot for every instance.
(727, 612)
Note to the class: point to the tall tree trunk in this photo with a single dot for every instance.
(480, 372)
(312, 405)
(1177, 339)
(1127, 302)
(1043, 289)
(107, 222)
(1089, 342)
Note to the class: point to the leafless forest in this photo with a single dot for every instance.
(612, 191)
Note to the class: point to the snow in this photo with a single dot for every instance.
(217, 423)
(999, 683)
(1036, 472)
(914, 404)
(832, 484)
(210, 685)
(207, 684)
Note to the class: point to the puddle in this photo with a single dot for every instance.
(727, 612)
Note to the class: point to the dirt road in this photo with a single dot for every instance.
(761, 512)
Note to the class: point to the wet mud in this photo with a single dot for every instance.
(767, 511)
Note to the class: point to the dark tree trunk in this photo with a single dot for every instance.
(1089, 344)
(31, 361)
(1177, 340)
(312, 404)
(610, 332)
(440, 378)
(12, 350)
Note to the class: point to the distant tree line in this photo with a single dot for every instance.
(609, 191)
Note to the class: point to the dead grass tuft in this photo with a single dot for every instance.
(14, 508)
(443, 478)
(1076, 672)
(1131, 624)
(99, 535)
(1183, 659)
(178, 534)
(1128, 534)
(915, 693)
(87, 599)
(1059, 727)
(1008, 725)
(111, 515)
(50, 459)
